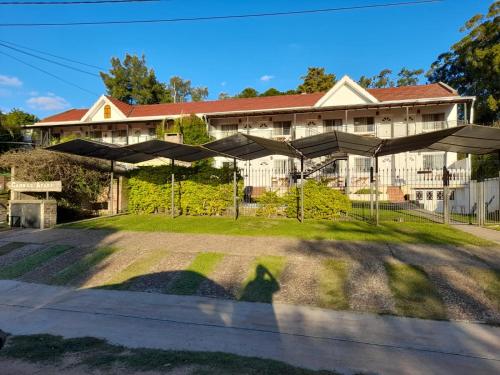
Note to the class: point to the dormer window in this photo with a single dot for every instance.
(107, 111)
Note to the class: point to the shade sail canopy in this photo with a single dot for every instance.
(99, 150)
(177, 151)
(468, 139)
(248, 147)
(135, 153)
(336, 142)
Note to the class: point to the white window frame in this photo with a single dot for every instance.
(364, 124)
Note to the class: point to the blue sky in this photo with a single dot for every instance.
(225, 56)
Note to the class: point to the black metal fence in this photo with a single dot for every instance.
(395, 195)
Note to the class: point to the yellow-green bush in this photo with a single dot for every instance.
(198, 190)
(270, 205)
(320, 201)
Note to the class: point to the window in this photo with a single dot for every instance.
(281, 128)
(364, 124)
(107, 111)
(432, 162)
(419, 195)
(152, 132)
(282, 166)
(429, 195)
(331, 125)
(452, 195)
(439, 195)
(433, 121)
(229, 129)
(362, 164)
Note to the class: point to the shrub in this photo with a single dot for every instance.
(83, 179)
(199, 190)
(320, 201)
(270, 204)
(366, 191)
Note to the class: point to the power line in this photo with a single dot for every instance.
(79, 2)
(214, 18)
(50, 74)
(49, 60)
(50, 54)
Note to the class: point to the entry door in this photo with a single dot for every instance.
(30, 217)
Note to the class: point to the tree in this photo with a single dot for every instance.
(224, 96)
(271, 92)
(181, 90)
(365, 82)
(248, 92)
(408, 77)
(133, 82)
(10, 127)
(316, 80)
(193, 129)
(199, 94)
(382, 79)
(472, 66)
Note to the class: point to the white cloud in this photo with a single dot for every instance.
(50, 102)
(33, 93)
(10, 81)
(224, 83)
(266, 78)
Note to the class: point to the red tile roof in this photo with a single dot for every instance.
(69, 115)
(435, 90)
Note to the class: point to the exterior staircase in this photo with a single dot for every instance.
(330, 159)
(395, 194)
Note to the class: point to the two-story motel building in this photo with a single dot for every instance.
(385, 113)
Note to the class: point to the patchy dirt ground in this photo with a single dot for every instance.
(367, 287)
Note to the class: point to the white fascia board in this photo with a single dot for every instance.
(98, 104)
(346, 80)
(450, 99)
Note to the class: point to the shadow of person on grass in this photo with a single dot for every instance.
(261, 288)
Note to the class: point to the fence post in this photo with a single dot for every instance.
(235, 191)
(173, 191)
(480, 202)
(371, 192)
(446, 183)
(302, 189)
(376, 192)
(111, 187)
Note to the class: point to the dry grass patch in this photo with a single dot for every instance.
(332, 284)
(489, 281)
(413, 292)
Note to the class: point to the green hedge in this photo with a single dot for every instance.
(207, 191)
(320, 202)
(198, 190)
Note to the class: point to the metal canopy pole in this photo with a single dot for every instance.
(376, 192)
(235, 191)
(302, 189)
(111, 208)
(446, 183)
(173, 191)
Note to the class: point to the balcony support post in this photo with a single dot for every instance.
(302, 189)
(111, 178)
(235, 190)
(377, 214)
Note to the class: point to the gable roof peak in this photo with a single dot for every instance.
(347, 81)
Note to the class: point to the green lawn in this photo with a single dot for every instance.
(31, 262)
(332, 284)
(489, 281)
(121, 280)
(263, 281)
(91, 355)
(82, 266)
(311, 229)
(199, 269)
(413, 292)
